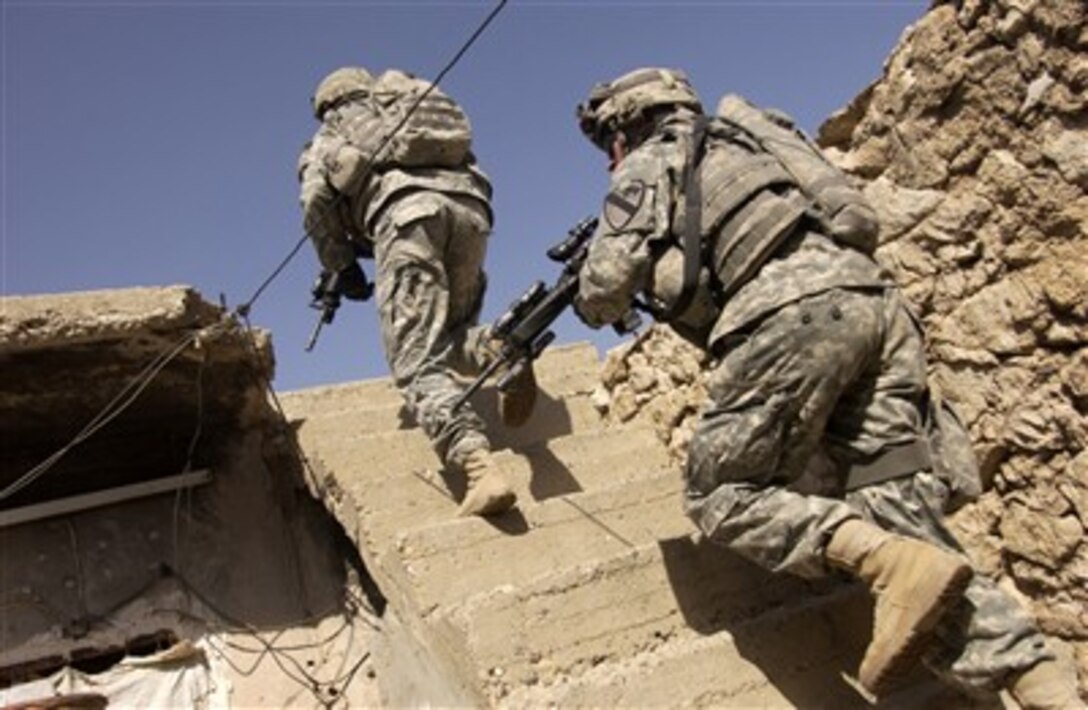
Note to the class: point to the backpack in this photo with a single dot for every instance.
(437, 132)
(374, 135)
(840, 207)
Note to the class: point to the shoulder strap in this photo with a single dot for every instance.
(692, 243)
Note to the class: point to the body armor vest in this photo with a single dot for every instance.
(749, 206)
(746, 205)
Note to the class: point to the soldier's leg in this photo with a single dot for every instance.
(472, 348)
(422, 303)
(774, 396)
(989, 638)
(770, 399)
(417, 319)
(463, 255)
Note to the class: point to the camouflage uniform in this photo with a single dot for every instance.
(427, 230)
(817, 358)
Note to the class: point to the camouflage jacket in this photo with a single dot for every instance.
(642, 219)
(342, 197)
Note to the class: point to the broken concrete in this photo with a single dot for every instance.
(112, 389)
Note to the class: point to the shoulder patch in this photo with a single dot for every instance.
(623, 203)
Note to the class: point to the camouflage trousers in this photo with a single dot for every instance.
(811, 387)
(429, 249)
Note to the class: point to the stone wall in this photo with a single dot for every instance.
(973, 148)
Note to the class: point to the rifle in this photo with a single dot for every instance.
(524, 329)
(326, 298)
(330, 286)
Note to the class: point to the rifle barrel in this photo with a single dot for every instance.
(314, 334)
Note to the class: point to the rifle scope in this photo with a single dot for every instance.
(518, 308)
(576, 237)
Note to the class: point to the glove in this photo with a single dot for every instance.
(351, 283)
(580, 311)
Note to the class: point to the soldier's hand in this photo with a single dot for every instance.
(584, 314)
(352, 283)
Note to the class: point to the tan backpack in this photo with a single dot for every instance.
(841, 207)
(436, 133)
(385, 128)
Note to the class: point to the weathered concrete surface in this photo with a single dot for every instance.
(67, 358)
(248, 563)
(592, 593)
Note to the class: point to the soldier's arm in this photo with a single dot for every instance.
(619, 260)
(614, 271)
(321, 217)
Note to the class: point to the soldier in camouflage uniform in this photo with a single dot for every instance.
(426, 227)
(814, 350)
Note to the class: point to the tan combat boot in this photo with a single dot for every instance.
(914, 583)
(488, 491)
(517, 400)
(1045, 686)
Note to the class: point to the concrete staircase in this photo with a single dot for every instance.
(593, 593)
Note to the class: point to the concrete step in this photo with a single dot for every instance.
(790, 657)
(561, 370)
(552, 417)
(518, 549)
(797, 657)
(393, 481)
(582, 616)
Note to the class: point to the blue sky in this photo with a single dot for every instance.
(153, 143)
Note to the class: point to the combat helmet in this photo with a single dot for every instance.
(622, 102)
(344, 83)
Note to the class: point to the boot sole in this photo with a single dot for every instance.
(916, 644)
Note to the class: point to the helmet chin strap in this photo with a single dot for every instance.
(617, 150)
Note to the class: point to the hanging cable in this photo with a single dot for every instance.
(244, 308)
(288, 664)
(242, 311)
(121, 401)
(133, 390)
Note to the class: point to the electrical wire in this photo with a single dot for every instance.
(299, 674)
(279, 653)
(244, 309)
(122, 401)
(131, 392)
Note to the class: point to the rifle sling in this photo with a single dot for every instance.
(693, 219)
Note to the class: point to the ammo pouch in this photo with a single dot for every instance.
(348, 169)
(698, 309)
(733, 219)
(954, 459)
(749, 206)
(946, 451)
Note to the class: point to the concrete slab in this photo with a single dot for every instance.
(560, 370)
(792, 658)
(552, 417)
(521, 549)
(396, 484)
(615, 608)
